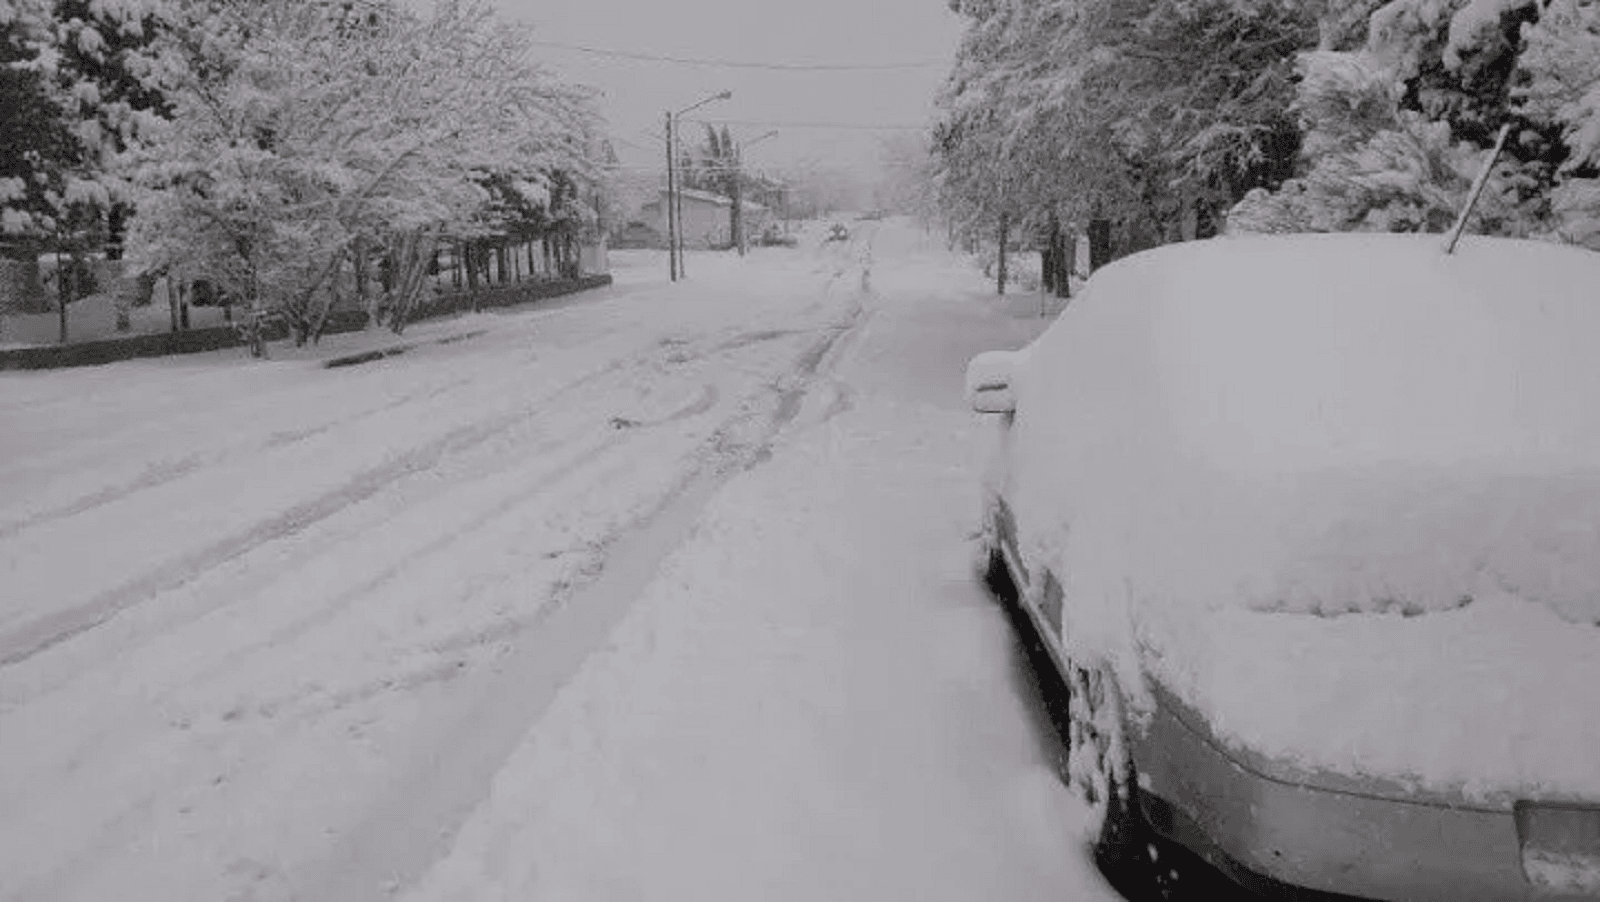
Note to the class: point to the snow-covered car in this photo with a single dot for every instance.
(1310, 526)
(837, 232)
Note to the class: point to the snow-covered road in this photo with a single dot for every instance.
(661, 594)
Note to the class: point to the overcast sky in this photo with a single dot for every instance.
(637, 93)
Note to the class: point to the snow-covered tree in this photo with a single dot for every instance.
(71, 87)
(1394, 130)
(1561, 89)
(311, 136)
(1155, 113)
(72, 68)
(1374, 165)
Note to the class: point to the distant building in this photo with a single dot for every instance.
(707, 218)
(638, 234)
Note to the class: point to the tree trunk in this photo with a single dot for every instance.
(1069, 262)
(1000, 260)
(1061, 256)
(359, 261)
(411, 278)
(63, 292)
(1099, 243)
(172, 298)
(319, 320)
(1052, 259)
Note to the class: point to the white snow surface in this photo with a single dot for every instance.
(1225, 447)
(804, 704)
(269, 631)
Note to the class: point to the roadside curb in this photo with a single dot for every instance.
(361, 357)
(165, 344)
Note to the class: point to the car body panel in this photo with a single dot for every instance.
(1266, 823)
(1343, 842)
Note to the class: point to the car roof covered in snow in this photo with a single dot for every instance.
(1289, 352)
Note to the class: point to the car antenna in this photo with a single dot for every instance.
(1477, 189)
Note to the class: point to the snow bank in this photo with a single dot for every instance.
(1328, 425)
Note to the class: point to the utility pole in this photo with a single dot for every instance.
(736, 219)
(674, 201)
(677, 198)
(666, 206)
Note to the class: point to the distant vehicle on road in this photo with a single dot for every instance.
(1309, 526)
(772, 236)
(837, 232)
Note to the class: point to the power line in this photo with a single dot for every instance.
(698, 166)
(635, 144)
(859, 126)
(736, 64)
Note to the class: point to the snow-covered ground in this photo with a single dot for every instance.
(659, 593)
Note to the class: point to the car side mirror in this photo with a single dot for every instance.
(989, 388)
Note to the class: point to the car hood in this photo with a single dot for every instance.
(1485, 704)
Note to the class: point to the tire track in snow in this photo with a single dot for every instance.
(412, 828)
(304, 706)
(41, 634)
(585, 455)
(251, 758)
(309, 705)
(52, 629)
(162, 472)
(554, 630)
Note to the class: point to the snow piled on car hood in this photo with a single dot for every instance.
(1257, 429)
(1493, 702)
(1398, 538)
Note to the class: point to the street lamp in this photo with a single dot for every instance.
(738, 189)
(674, 206)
